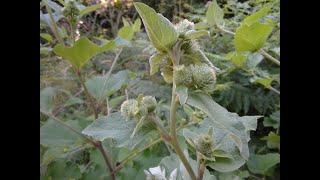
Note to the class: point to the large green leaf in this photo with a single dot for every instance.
(126, 32)
(117, 127)
(252, 38)
(100, 87)
(46, 98)
(222, 142)
(90, 9)
(54, 134)
(155, 62)
(161, 32)
(231, 123)
(82, 51)
(214, 14)
(112, 126)
(260, 164)
(255, 17)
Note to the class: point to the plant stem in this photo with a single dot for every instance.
(90, 99)
(268, 56)
(163, 132)
(262, 52)
(133, 154)
(174, 141)
(274, 90)
(96, 144)
(202, 168)
(109, 73)
(107, 158)
(68, 127)
(54, 25)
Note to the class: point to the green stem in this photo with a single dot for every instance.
(96, 144)
(269, 57)
(108, 159)
(133, 154)
(163, 132)
(90, 99)
(54, 25)
(173, 133)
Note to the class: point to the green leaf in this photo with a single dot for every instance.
(125, 22)
(117, 127)
(221, 142)
(90, 9)
(161, 32)
(53, 134)
(273, 120)
(266, 82)
(214, 14)
(73, 100)
(238, 59)
(230, 122)
(81, 52)
(112, 126)
(126, 32)
(255, 17)
(182, 92)
(62, 169)
(252, 38)
(46, 36)
(115, 102)
(45, 50)
(100, 87)
(260, 164)
(137, 25)
(273, 140)
(46, 98)
(193, 34)
(155, 61)
(253, 60)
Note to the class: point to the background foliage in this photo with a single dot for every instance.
(248, 83)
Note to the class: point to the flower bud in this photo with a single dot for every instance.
(129, 108)
(183, 75)
(204, 144)
(149, 103)
(204, 77)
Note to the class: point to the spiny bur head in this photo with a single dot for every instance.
(183, 26)
(204, 76)
(149, 103)
(204, 144)
(183, 75)
(129, 108)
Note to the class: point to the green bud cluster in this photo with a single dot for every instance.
(183, 26)
(129, 108)
(204, 144)
(132, 108)
(197, 77)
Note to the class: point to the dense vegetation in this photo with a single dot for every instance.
(168, 89)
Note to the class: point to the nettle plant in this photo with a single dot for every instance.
(200, 134)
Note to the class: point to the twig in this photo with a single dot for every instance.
(107, 77)
(134, 154)
(107, 158)
(96, 144)
(274, 90)
(54, 25)
(90, 98)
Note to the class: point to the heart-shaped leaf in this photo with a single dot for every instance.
(161, 32)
